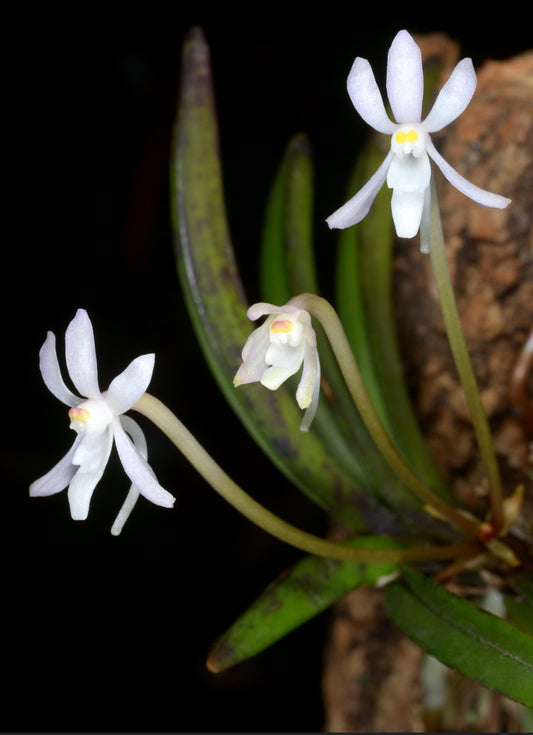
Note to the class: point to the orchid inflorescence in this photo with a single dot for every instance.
(286, 341)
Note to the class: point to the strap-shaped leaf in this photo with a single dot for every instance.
(217, 305)
(301, 593)
(476, 643)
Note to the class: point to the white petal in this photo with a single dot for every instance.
(128, 387)
(407, 209)
(137, 435)
(366, 97)
(92, 455)
(81, 355)
(138, 469)
(453, 97)
(310, 412)
(486, 198)
(253, 355)
(285, 361)
(357, 207)
(257, 310)
(51, 372)
(408, 173)
(405, 79)
(58, 477)
(311, 369)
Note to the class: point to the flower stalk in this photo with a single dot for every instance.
(201, 460)
(462, 360)
(327, 316)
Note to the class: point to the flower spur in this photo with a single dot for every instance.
(407, 167)
(98, 421)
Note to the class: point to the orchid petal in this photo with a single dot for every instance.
(366, 97)
(275, 375)
(260, 309)
(130, 384)
(51, 372)
(311, 367)
(253, 355)
(405, 78)
(407, 209)
(408, 173)
(485, 198)
(310, 412)
(81, 355)
(92, 455)
(453, 98)
(138, 469)
(357, 207)
(137, 435)
(284, 362)
(58, 477)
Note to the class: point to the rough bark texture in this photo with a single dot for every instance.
(371, 672)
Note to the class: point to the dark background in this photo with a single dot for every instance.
(111, 634)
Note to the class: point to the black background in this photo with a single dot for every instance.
(103, 633)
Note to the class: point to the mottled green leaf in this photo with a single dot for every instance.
(479, 645)
(301, 593)
(217, 305)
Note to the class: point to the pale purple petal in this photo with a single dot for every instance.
(357, 207)
(138, 469)
(366, 97)
(128, 387)
(92, 455)
(81, 355)
(453, 98)
(405, 79)
(486, 198)
(51, 372)
(58, 477)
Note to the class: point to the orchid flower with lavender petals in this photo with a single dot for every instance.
(98, 421)
(277, 349)
(407, 167)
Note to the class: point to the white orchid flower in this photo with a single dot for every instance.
(97, 420)
(277, 349)
(406, 167)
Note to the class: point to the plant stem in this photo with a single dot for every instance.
(461, 357)
(327, 316)
(181, 437)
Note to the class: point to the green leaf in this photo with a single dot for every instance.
(301, 593)
(476, 643)
(520, 607)
(217, 305)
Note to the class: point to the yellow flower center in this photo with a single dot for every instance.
(281, 326)
(79, 414)
(411, 136)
